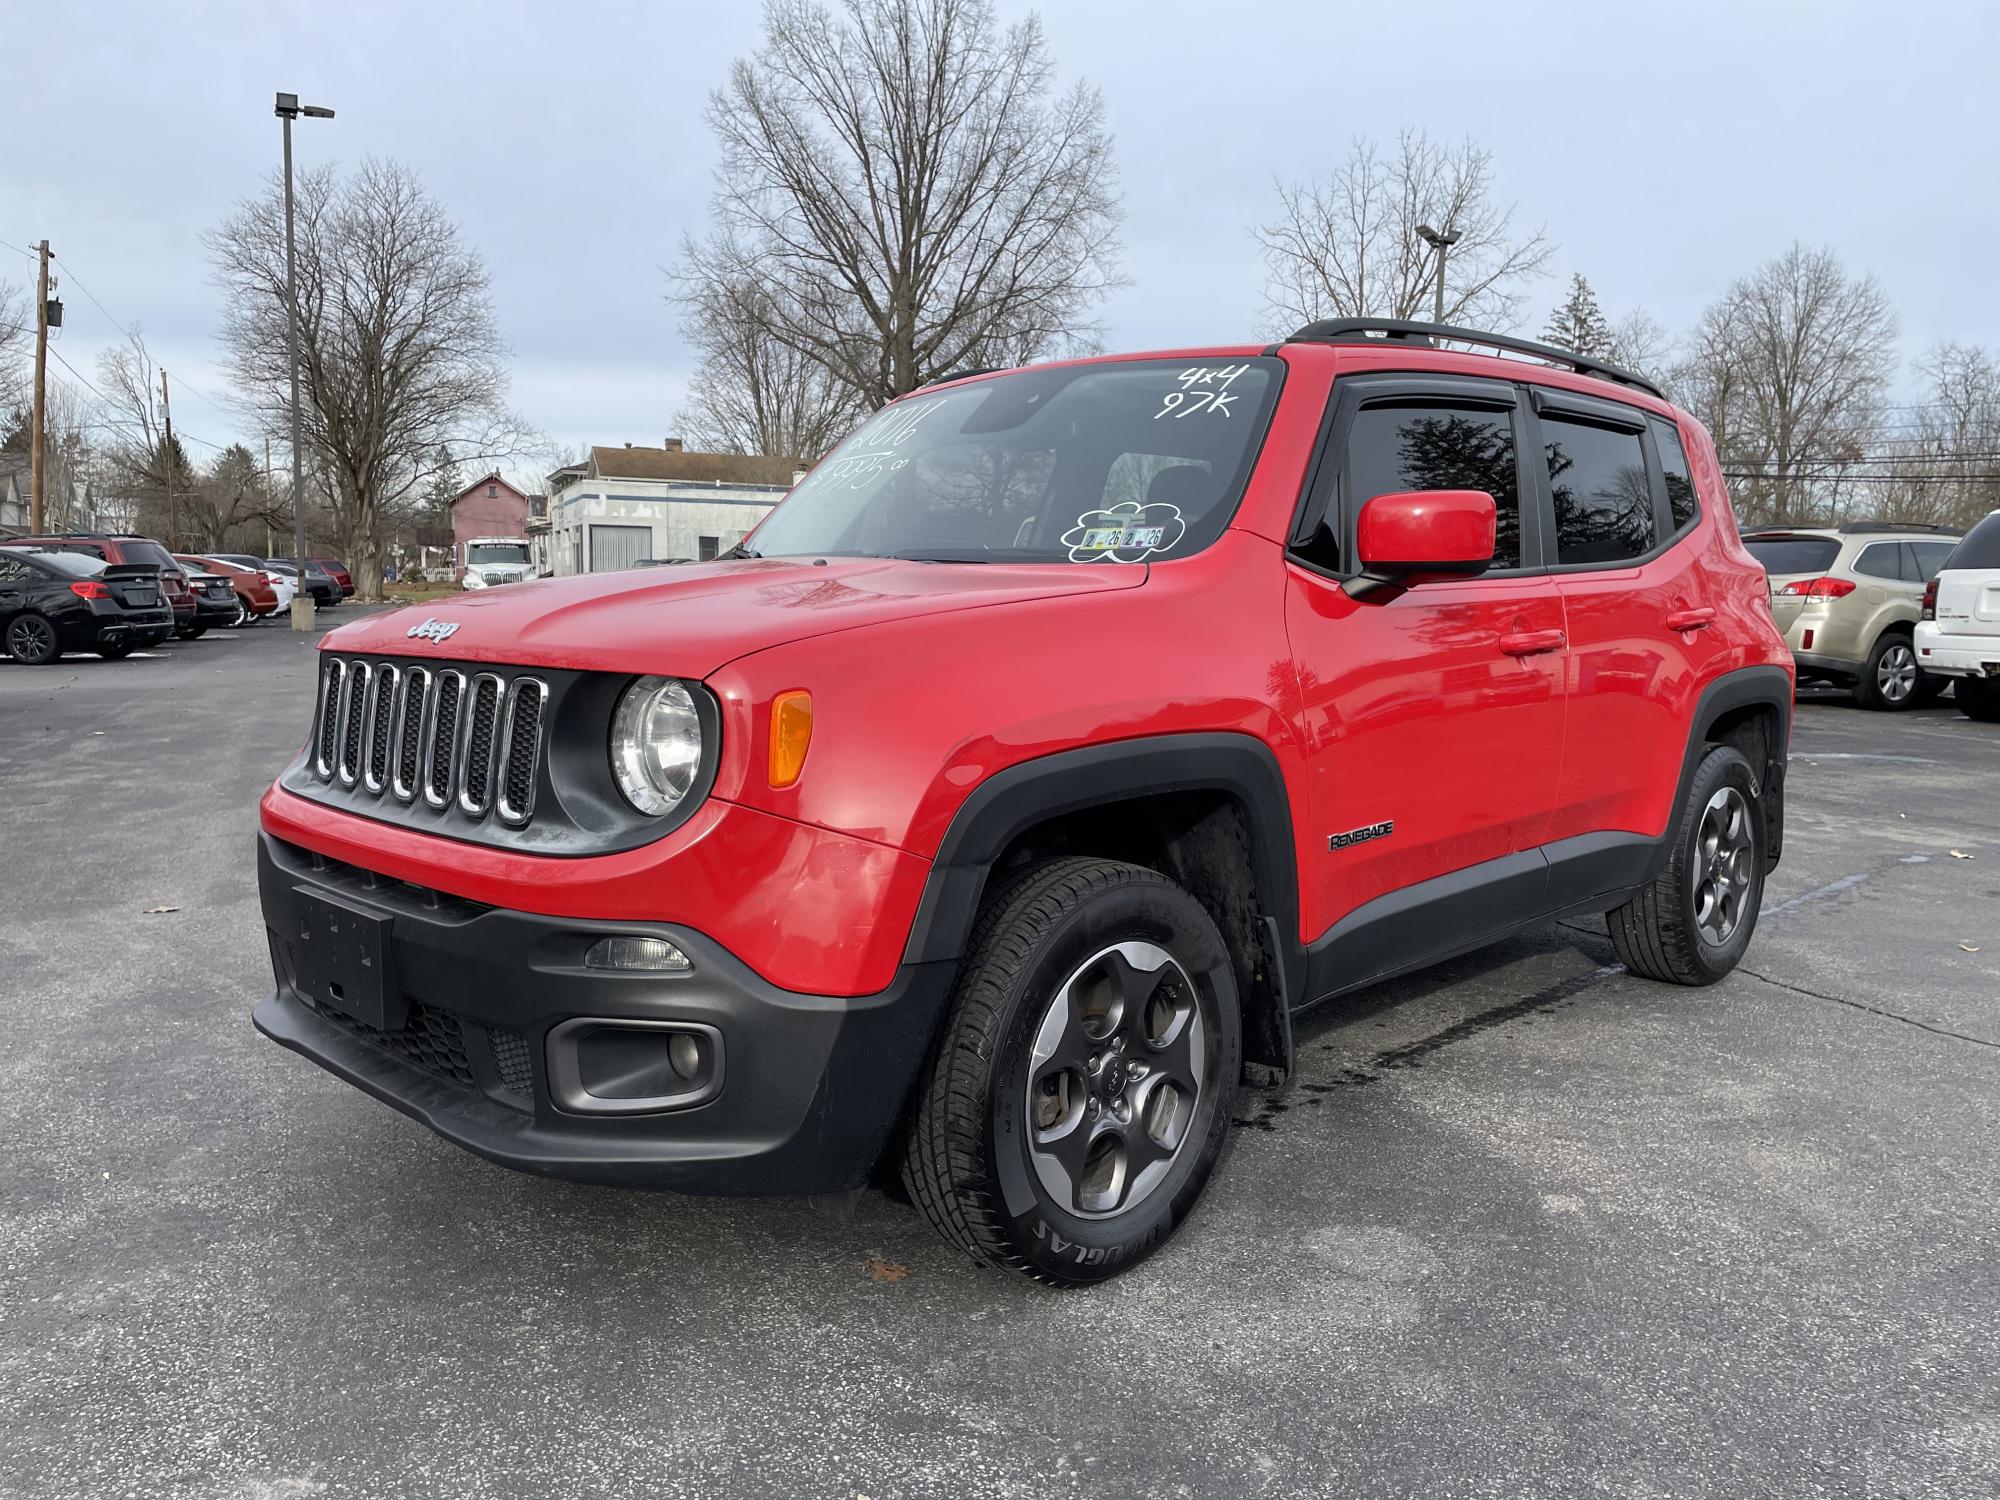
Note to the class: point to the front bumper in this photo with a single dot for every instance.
(1957, 655)
(812, 1086)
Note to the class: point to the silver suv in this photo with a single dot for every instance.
(1847, 599)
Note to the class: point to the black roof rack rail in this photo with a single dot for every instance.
(1398, 330)
(1848, 528)
(964, 375)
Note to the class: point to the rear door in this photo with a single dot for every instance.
(1639, 606)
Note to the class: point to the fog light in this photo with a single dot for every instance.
(606, 1066)
(645, 954)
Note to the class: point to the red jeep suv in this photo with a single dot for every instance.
(992, 811)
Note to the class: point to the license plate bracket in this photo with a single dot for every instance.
(346, 961)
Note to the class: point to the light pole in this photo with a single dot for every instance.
(1441, 243)
(289, 109)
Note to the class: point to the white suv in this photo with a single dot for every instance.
(1959, 634)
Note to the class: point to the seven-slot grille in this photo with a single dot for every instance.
(470, 741)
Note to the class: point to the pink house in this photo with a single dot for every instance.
(486, 507)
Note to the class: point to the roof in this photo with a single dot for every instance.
(480, 483)
(669, 465)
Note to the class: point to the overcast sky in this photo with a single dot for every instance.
(1667, 150)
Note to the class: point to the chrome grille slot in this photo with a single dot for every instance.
(482, 738)
(332, 673)
(381, 703)
(521, 749)
(432, 745)
(413, 699)
(441, 738)
(353, 707)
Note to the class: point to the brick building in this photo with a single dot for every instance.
(486, 507)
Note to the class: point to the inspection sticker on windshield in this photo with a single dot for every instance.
(1201, 388)
(1124, 533)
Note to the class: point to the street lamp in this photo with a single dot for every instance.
(1442, 243)
(289, 109)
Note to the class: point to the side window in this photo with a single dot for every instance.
(1881, 560)
(1603, 500)
(1438, 447)
(1930, 558)
(1680, 479)
(13, 570)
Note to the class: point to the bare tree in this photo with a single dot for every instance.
(138, 459)
(400, 359)
(753, 393)
(1642, 345)
(902, 185)
(1940, 461)
(1349, 246)
(17, 342)
(1788, 370)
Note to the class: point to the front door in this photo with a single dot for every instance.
(1433, 717)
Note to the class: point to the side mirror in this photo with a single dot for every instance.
(1420, 533)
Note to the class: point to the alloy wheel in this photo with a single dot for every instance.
(1724, 873)
(1113, 1079)
(30, 637)
(1896, 674)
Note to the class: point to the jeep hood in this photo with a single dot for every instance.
(689, 620)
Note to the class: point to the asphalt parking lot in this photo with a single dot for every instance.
(1524, 1225)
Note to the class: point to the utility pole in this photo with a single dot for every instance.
(267, 497)
(1441, 243)
(173, 510)
(35, 475)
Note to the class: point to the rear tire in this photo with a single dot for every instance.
(243, 616)
(1079, 1098)
(1978, 698)
(31, 640)
(190, 632)
(117, 651)
(1889, 680)
(1692, 923)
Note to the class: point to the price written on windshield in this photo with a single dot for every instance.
(1202, 388)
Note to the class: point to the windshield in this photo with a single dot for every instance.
(497, 552)
(1793, 554)
(1103, 463)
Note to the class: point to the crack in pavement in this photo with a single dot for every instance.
(1873, 1010)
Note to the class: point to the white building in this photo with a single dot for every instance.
(628, 503)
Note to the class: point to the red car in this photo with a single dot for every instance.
(1002, 798)
(337, 571)
(255, 598)
(121, 549)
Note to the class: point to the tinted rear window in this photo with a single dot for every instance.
(71, 564)
(1794, 554)
(1979, 547)
(147, 552)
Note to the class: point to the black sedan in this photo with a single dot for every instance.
(214, 602)
(52, 602)
(314, 579)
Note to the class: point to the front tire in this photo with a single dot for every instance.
(1079, 1099)
(31, 640)
(1892, 677)
(1692, 923)
(243, 616)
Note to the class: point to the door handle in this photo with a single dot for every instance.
(1531, 642)
(1691, 619)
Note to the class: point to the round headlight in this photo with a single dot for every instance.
(474, 581)
(656, 744)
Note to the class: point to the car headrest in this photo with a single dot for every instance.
(1187, 486)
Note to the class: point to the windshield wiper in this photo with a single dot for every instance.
(739, 550)
(940, 555)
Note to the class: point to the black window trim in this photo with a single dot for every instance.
(1894, 549)
(1326, 472)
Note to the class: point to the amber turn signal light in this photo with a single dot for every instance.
(791, 735)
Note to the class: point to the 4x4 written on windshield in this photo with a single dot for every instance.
(1116, 463)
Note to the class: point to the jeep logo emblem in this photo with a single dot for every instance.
(435, 631)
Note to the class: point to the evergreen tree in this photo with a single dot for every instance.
(1579, 324)
(443, 488)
